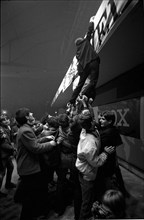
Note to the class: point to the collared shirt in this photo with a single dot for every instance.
(88, 158)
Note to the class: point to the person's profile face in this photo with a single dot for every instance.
(31, 119)
(103, 121)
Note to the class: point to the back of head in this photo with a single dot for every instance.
(44, 119)
(109, 116)
(114, 200)
(63, 120)
(53, 122)
(85, 119)
(75, 125)
(21, 114)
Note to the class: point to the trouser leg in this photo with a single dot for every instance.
(89, 89)
(10, 168)
(34, 195)
(120, 181)
(60, 191)
(77, 197)
(2, 171)
(87, 198)
(77, 90)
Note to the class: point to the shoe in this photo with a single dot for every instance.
(10, 185)
(3, 195)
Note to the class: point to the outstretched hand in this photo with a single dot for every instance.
(109, 149)
(53, 143)
(50, 137)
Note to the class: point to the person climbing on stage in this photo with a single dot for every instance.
(88, 66)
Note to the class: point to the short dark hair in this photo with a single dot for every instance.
(53, 122)
(109, 116)
(63, 120)
(21, 115)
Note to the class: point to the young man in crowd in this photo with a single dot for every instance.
(88, 161)
(32, 189)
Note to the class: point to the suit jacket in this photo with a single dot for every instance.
(29, 149)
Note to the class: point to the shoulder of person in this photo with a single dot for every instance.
(25, 129)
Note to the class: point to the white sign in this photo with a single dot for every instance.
(108, 12)
(105, 18)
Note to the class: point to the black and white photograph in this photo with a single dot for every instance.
(72, 109)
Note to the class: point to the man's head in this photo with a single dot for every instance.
(107, 118)
(63, 120)
(4, 120)
(85, 119)
(24, 116)
(53, 122)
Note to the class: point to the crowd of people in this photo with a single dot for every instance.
(71, 151)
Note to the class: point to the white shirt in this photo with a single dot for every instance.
(88, 158)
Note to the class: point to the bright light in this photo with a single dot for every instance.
(4, 112)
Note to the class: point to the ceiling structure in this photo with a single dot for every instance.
(37, 48)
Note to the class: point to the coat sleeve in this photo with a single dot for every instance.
(7, 148)
(30, 141)
(93, 158)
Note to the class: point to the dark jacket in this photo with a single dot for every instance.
(109, 137)
(28, 151)
(85, 53)
(51, 158)
(6, 148)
